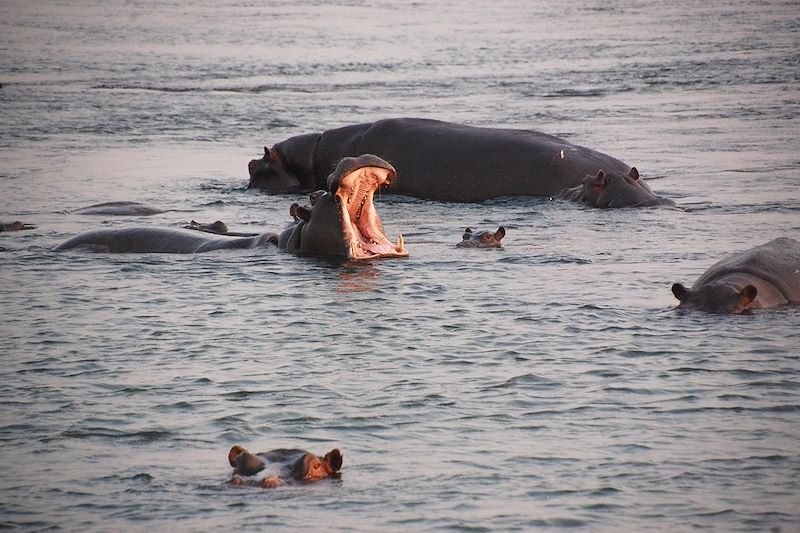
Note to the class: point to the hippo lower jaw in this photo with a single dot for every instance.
(361, 225)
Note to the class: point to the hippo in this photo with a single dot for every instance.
(758, 278)
(614, 189)
(343, 221)
(160, 240)
(120, 209)
(436, 160)
(482, 239)
(287, 465)
(15, 226)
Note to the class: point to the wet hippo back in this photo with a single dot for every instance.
(160, 240)
(761, 277)
(435, 160)
(776, 262)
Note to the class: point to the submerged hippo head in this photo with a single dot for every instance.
(482, 239)
(613, 189)
(288, 464)
(343, 222)
(715, 297)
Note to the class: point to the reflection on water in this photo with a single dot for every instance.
(358, 278)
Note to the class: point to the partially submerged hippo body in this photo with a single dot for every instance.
(435, 160)
(614, 189)
(762, 277)
(343, 221)
(161, 240)
(119, 209)
(482, 239)
(277, 467)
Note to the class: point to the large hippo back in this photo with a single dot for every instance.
(777, 262)
(453, 162)
(436, 160)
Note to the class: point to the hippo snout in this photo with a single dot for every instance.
(251, 166)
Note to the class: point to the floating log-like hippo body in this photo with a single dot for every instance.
(613, 189)
(482, 239)
(120, 209)
(762, 277)
(15, 226)
(277, 467)
(343, 221)
(436, 160)
(161, 240)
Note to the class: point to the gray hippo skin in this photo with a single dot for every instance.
(343, 221)
(287, 465)
(614, 189)
(436, 160)
(161, 240)
(482, 239)
(119, 209)
(762, 277)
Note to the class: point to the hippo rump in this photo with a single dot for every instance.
(435, 160)
(277, 467)
(614, 189)
(482, 239)
(161, 240)
(758, 278)
(343, 221)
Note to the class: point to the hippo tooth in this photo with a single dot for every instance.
(562, 154)
(400, 244)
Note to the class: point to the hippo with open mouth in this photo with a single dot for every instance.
(277, 467)
(343, 221)
(436, 160)
(761, 277)
(614, 189)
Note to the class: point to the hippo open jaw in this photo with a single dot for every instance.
(362, 229)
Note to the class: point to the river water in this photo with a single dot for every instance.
(547, 385)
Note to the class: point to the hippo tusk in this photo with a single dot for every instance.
(400, 244)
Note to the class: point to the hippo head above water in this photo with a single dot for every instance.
(287, 465)
(482, 239)
(343, 221)
(716, 297)
(614, 189)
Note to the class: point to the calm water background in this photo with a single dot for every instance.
(544, 386)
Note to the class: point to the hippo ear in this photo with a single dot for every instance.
(334, 459)
(633, 174)
(500, 233)
(235, 452)
(747, 295)
(467, 232)
(298, 212)
(601, 179)
(270, 154)
(680, 291)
